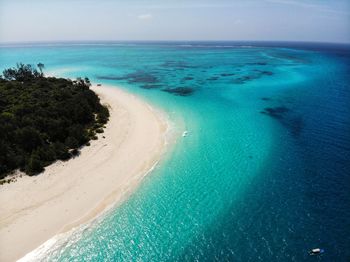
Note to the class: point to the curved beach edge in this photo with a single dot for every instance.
(69, 194)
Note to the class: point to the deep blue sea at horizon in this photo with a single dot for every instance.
(264, 173)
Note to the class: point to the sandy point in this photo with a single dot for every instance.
(67, 194)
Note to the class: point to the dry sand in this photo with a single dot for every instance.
(67, 194)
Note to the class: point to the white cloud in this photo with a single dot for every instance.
(145, 17)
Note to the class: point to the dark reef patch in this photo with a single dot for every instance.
(177, 65)
(110, 77)
(268, 73)
(260, 63)
(261, 73)
(213, 78)
(266, 99)
(180, 91)
(135, 77)
(227, 74)
(243, 79)
(187, 78)
(276, 112)
(255, 74)
(294, 123)
(150, 86)
(141, 77)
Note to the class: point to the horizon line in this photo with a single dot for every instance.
(168, 41)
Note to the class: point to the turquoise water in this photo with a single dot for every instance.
(263, 174)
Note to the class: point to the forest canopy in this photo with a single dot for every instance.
(44, 119)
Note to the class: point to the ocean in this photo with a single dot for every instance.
(264, 172)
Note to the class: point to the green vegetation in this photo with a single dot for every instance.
(43, 119)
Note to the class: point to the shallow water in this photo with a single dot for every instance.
(264, 173)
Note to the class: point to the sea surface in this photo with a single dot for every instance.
(264, 172)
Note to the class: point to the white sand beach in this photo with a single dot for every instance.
(67, 194)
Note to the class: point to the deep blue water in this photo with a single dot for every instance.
(264, 174)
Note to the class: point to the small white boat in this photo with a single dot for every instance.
(184, 134)
(316, 251)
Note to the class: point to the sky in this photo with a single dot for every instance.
(262, 20)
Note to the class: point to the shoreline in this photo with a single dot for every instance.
(72, 193)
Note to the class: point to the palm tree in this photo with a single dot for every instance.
(41, 66)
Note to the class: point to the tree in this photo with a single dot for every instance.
(41, 66)
(87, 81)
(43, 119)
(34, 165)
(71, 142)
(29, 138)
(21, 73)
